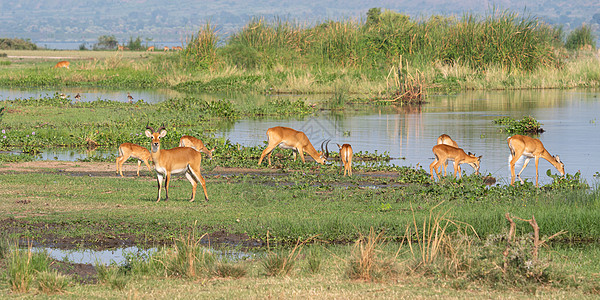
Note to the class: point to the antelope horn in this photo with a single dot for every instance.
(149, 127)
(326, 151)
(161, 128)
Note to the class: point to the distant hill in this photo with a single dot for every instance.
(173, 21)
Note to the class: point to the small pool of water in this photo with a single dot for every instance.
(119, 256)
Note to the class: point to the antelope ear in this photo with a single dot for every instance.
(148, 133)
(480, 156)
(162, 133)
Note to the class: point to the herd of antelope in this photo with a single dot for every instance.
(186, 158)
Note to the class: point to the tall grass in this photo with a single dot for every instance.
(500, 39)
(23, 265)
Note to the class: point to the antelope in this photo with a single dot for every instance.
(127, 150)
(77, 97)
(62, 64)
(446, 140)
(120, 48)
(528, 147)
(444, 152)
(151, 49)
(178, 160)
(166, 48)
(346, 157)
(178, 48)
(288, 138)
(192, 142)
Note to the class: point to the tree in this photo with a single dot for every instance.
(107, 42)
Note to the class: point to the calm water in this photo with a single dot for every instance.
(571, 120)
(89, 94)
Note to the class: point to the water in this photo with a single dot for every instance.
(570, 118)
(89, 45)
(89, 94)
(119, 256)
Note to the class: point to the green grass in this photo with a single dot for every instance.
(287, 208)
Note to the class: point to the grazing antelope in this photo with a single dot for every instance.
(127, 150)
(178, 160)
(62, 64)
(346, 158)
(178, 48)
(192, 142)
(288, 138)
(445, 152)
(446, 140)
(521, 145)
(166, 48)
(151, 49)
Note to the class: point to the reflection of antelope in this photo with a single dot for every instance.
(446, 140)
(62, 64)
(444, 152)
(151, 48)
(288, 138)
(127, 150)
(521, 145)
(179, 160)
(192, 142)
(346, 158)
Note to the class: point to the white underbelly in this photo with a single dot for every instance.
(163, 171)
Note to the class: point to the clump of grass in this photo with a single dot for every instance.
(281, 263)
(112, 276)
(51, 282)
(527, 125)
(366, 262)
(226, 269)
(23, 266)
(315, 260)
(436, 249)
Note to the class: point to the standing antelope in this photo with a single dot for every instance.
(127, 150)
(62, 64)
(528, 147)
(444, 152)
(346, 158)
(445, 139)
(178, 160)
(166, 48)
(192, 142)
(288, 138)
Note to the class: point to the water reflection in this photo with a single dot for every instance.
(569, 118)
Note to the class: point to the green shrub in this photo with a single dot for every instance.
(580, 37)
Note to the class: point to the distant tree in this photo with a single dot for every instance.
(106, 42)
(135, 45)
(82, 46)
(16, 44)
(580, 37)
(373, 16)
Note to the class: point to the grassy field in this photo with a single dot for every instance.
(82, 204)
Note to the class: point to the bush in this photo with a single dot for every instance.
(580, 38)
(16, 44)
